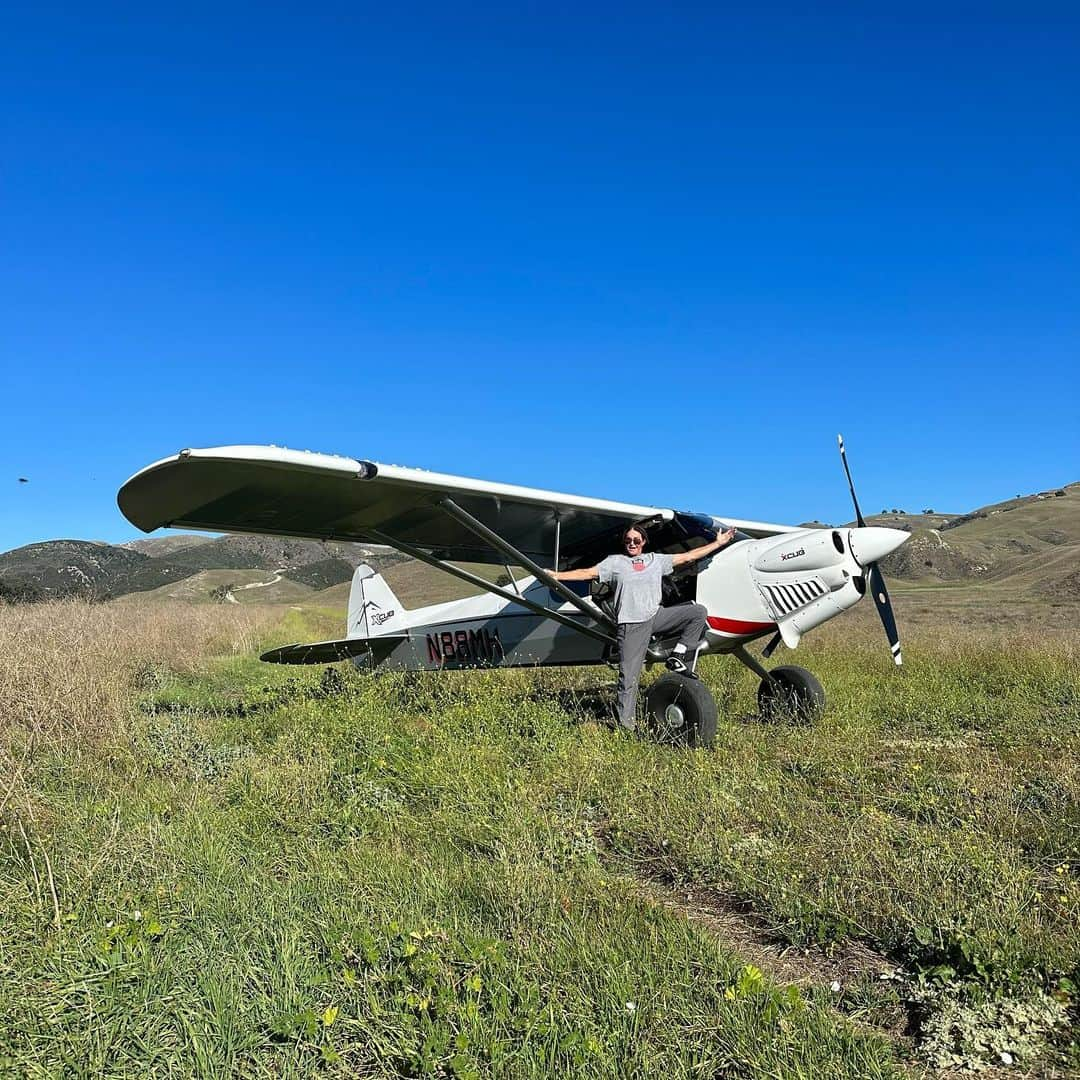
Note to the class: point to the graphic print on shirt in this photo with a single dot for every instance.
(638, 564)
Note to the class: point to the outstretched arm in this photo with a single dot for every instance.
(694, 554)
(589, 574)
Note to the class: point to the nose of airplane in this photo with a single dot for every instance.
(871, 543)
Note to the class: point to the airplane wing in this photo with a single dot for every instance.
(275, 491)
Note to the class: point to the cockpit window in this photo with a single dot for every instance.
(683, 532)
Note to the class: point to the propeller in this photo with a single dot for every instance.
(874, 578)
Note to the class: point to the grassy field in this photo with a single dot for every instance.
(216, 867)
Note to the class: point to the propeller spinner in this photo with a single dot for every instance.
(875, 544)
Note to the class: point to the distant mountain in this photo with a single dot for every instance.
(60, 568)
(272, 553)
(156, 546)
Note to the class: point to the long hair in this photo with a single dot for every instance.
(638, 529)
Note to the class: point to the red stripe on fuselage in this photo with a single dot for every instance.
(738, 626)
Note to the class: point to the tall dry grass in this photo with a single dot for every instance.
(68, 672)
(68, 668)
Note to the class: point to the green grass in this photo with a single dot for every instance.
(272, 871)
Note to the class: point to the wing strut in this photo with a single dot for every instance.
(521, 559)
(487, 586)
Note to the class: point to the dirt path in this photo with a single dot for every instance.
(804, 966)
(229, 598)
(843, 972)
(262, 584)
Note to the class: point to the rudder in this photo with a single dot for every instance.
(374, 610)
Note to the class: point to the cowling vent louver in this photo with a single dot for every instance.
(793, 595)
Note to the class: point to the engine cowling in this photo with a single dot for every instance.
(813, 549)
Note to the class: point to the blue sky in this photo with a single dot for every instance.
(643, 253)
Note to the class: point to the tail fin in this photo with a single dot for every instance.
(374, 610)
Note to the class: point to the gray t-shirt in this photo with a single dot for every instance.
(637, 584)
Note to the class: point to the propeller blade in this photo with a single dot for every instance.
(884, 607)
(851, 486)
(878, 542)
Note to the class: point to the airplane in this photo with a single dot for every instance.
(774, 581)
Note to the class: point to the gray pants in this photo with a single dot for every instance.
(688, 620)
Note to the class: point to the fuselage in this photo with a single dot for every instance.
(789, 583)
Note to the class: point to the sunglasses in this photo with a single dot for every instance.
(633, 543)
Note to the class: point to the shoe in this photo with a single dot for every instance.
(679, 666)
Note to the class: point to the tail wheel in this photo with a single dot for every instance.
(791, 692)
(682, 710)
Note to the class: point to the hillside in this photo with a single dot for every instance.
(61, 568)
(1029, 545)
(273, 553)
(415, 584)
(228, 586)
(157, 546)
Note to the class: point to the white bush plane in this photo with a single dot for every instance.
(775, 581)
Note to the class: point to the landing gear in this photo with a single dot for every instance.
(791, 692)
(788, 691)
(682, 710)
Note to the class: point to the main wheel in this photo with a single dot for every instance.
(791, 692)
(682, 710)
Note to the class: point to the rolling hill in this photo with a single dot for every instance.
(1030, 544)
(95, 570)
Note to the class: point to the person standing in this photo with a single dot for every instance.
(636, 577)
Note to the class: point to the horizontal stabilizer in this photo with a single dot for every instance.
(328, 652)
